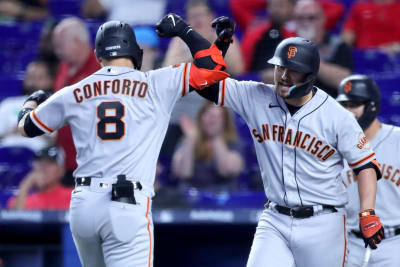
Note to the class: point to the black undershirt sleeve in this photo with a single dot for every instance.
(366, 166)
(30, 128)
(210, 93)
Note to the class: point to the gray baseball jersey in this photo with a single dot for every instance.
(118, 117)
(386, 144)
(301, 158)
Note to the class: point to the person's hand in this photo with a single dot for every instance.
(32, 180)
(224, 27)
(188, 127)
(171, 25)
(371, 228)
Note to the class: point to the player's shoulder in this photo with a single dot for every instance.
(392, 131)
(251, 86)
(332, 104)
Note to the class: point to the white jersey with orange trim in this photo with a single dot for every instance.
(386, 144)
(118, 117)
(300, 156)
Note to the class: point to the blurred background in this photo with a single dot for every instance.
(206, 208)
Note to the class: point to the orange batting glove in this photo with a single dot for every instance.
(371, 228)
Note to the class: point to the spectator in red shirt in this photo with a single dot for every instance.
(336, 56)
(259, 41)
(374, 24)
(77, 61)
(48, 169)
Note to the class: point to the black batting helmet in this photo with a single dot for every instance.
(361, 88)
(301, 55)
(117, 39)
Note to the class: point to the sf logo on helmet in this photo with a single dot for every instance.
(347, 87)
(292, 51)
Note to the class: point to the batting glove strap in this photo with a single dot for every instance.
(371, 228)
(39, 97)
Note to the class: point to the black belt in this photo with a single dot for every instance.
(85, 181)
(359, 234)
(301, 212)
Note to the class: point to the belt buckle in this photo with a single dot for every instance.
(292, 212)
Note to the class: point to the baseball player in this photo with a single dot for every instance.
(360, 95)
(301, 136)
(118, 117)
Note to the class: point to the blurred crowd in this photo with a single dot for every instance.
(206, 150)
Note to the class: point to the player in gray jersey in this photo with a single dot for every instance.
(360, 95)
(118, 117)
(301, 136)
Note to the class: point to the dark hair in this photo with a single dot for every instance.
(52, 153)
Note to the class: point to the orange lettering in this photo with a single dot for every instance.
(265, 128)
(115, 86)
(78, 98)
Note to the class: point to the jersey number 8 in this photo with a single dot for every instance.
(110, 127)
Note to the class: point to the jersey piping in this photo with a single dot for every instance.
(295, 149)
(362, 160)
(40, 124)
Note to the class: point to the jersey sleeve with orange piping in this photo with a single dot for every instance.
(209, 65)
(353, 144)
(50, 115)
(169, 84)
(205, 74)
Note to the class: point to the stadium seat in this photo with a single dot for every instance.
(15, 163)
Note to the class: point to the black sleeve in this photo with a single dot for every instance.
(369, 165)
(30, 128)
(210, 93)
(196, 43)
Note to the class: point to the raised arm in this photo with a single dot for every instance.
(209, 64)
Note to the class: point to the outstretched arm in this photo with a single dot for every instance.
(209, 65)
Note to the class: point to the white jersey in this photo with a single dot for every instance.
(300, 156)
(386, 144)
(118, 118)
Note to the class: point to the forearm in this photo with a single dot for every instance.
(194, 40)
(367, 184)
(183, 161)
(229, 163)
(332, 74)
(21, 124)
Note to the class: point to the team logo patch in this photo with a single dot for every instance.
(347, 87)
(292, 51)
(362, 141)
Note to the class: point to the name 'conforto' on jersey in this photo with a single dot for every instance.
(117, 86)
